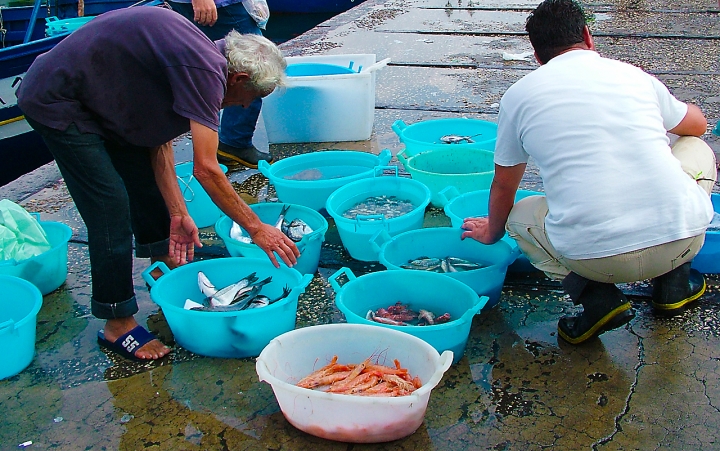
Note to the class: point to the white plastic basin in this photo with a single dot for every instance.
(347, 418)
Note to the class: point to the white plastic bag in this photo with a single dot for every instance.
(258, 10)
(21, 236)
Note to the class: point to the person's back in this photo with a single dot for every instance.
(621, 205)
(144, 87)
(597, 130)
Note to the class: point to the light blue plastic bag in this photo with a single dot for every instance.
(258, 10)
(21, 236)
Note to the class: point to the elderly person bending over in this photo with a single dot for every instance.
(621, 205)
(108, 100)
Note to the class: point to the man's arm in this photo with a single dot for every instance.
(693, 124)
(502, 198)
(183, 232)
(208, 173)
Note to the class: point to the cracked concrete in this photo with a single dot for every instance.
(651, 385)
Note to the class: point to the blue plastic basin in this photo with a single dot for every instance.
(309, 179)
(475, 204)
(425, 135)
(226, 334)
(268, 213)
(418, 289)
(19, 306)
(48, 270)
(464, 168)
(442, 242)
(356, 233)
(707, 261)
(201, 208)
(315, 69)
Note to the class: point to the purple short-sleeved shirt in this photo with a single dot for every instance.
(139, 74)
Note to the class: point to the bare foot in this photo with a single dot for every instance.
(115, 328)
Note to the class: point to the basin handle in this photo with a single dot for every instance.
(7, 326)
(373, 67)
(472, 311)
(333, 279)
(380, 170)
(398, 126)
(447, 194)
(384, 157)
(264, 168)
(374, 219)
(146, 274)
(384, 237)
(304, 282)
(514, 254)
(402, 157)
(444, 362)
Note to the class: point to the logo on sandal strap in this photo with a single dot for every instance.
(130, 343)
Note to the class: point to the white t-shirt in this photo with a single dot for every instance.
(596, 128)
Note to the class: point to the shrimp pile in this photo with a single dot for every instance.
(365, 379)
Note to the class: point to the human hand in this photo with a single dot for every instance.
(205, 12)
(477, 229)
(183, 239)
(272, 240)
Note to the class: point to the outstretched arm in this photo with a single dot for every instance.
(505, 183)
(208, 173)
(183, 232)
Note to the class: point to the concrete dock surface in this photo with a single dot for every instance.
(651, 385)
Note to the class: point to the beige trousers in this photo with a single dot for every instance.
(526, 224)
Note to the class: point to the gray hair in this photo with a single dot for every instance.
(258, 57)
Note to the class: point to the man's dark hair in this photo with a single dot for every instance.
(554, 26)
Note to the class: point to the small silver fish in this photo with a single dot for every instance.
(456, 139)
(263, 301)
(456, 264)
(206, 287)
(226, 295)
(296, 229)
(245, 295)
(239, 302)
(281, 218)
(425, 262)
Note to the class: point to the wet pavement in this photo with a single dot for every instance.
(652, 384)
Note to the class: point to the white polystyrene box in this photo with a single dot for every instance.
(324, 108)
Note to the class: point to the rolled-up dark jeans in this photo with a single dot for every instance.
(113, 186)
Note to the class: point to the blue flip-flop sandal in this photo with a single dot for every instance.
(127, 344)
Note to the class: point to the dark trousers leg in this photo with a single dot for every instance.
(110, 211)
